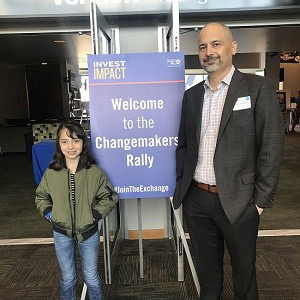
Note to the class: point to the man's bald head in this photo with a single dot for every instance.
(216, 25)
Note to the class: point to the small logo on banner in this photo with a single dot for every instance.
(173, 62)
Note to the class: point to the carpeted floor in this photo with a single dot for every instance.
(18, 215)
(285, 213)
(31, 272)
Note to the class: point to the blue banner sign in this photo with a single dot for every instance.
(135, 104)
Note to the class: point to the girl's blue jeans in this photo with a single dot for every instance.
(89, 252)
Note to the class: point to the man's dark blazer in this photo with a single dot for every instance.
(249, 146)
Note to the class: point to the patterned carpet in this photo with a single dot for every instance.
(31, 272)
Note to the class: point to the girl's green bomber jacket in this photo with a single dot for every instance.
(94, 198)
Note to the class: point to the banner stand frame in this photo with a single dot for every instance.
(103, 40)
(181, 240)
(140, 230)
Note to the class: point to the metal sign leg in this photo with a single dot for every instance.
(186, 247)
(139, 207)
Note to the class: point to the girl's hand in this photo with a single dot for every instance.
(48, 216)
(259, 209)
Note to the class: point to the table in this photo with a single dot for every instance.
(42, 154)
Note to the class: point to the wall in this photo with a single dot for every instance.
(138, 39)
(154, 217)
(291, 78)
(13, 100)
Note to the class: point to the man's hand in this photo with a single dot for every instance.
(259, 209)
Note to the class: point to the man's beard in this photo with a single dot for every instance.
(210, 68)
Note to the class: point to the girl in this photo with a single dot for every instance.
(73, 195)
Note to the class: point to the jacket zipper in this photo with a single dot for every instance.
(71, 206)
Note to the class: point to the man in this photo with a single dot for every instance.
(230, 145)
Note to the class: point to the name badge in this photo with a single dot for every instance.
(242, 103)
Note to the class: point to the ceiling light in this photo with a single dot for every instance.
(59, 41)
(44, 63)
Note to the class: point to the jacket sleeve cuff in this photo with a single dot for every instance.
(263, 207)
(263, 201)
(47, 210)
(96, 215)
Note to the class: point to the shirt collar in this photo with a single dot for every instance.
(226, 79)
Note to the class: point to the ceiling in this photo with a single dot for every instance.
(38, 48)
(255, 30)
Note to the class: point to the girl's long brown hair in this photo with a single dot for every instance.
(75, 131)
